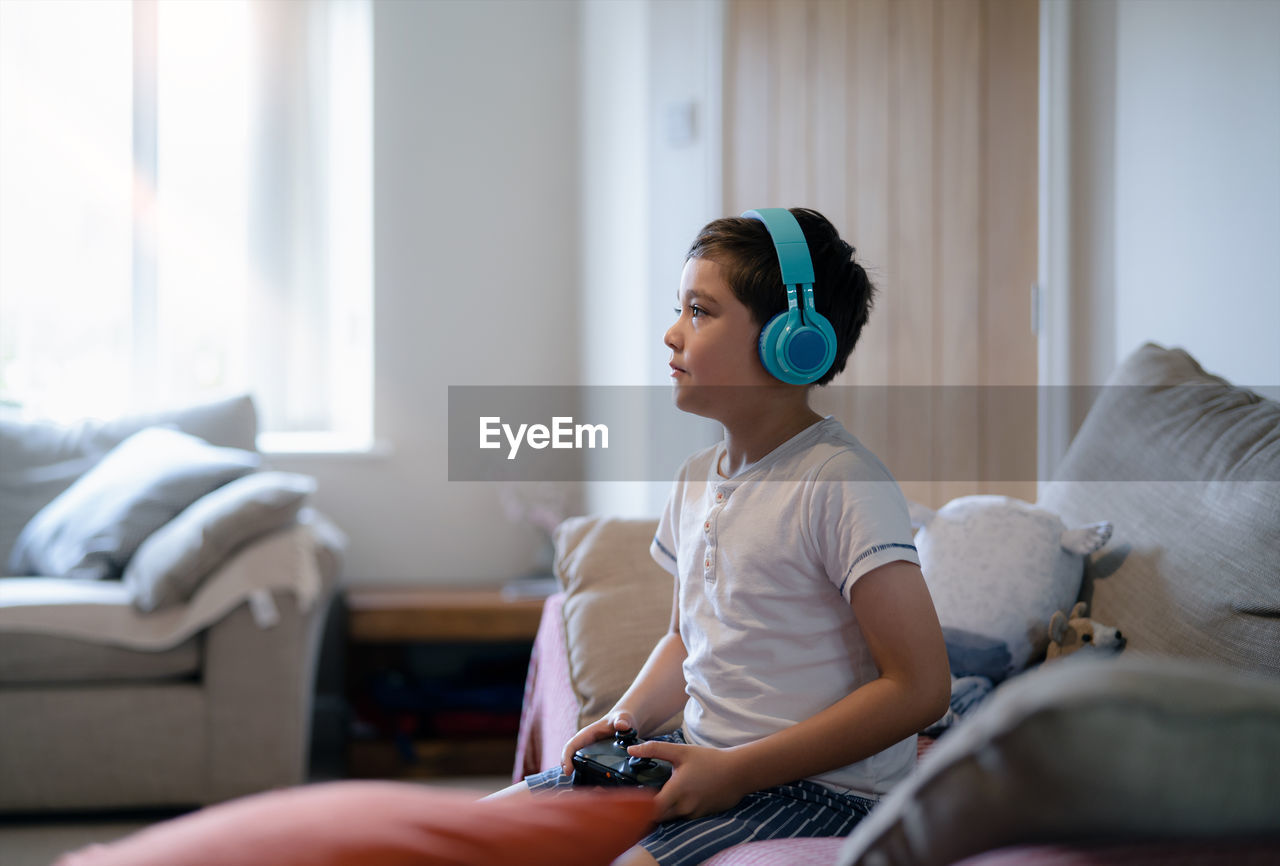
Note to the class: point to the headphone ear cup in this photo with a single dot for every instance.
(799, 355)
(825, 345)
(770, 339)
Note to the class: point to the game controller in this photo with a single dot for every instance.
(606, 762)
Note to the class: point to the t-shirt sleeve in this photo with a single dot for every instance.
(858, 526)
(663, 547)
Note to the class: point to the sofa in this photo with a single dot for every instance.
(1168, 751)
(161, 616)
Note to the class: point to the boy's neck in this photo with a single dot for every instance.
(751, 435)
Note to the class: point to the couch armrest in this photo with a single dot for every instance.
(1136, 747)
(550, 712)
(259, 684)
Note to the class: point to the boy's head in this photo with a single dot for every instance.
(745, 252)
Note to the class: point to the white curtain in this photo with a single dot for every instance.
(247, 222)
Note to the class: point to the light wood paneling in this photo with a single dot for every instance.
(909, 294)
(747, 101)
(912, 125)
(870, 197)
(1009, 348)
(959, 248)
(791, 83)
(828, 96)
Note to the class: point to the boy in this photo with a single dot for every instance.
(804, 648)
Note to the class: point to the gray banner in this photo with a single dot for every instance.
(626, 433)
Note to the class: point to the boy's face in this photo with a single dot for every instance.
(713, 343)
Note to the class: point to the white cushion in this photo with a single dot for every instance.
(997, 569)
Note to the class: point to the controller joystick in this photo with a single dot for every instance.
(607, 762)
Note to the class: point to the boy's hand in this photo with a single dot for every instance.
(703, 780)
(618, 720)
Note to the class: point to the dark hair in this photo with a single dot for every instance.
(841, 291)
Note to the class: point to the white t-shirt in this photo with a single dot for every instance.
(764, 562)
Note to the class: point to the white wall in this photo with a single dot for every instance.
(615, 224)
(532, 205)
(686, 159)
(476, 209)
(1198, 182)
(1175, 183)
(651, 178)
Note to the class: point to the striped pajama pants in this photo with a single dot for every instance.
(797, 809)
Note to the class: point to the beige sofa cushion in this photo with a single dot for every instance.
(45, 659)
(617, 605)
(1187, 467)
(1136, 747)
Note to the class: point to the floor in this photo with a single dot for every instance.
(41, 841)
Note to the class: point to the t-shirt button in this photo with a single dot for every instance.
(707, 526)
(719, 497)
(707, 562)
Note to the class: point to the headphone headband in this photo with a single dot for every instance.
(788, 239)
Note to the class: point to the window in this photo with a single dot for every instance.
(185, 210)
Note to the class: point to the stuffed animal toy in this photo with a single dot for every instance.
(998, 568)
(1075, 632)
(1068, 633)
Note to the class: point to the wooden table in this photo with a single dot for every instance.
(382, 621)
(390, 615)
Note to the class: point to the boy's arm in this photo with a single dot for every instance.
(658, 692)
(655, 695)
(901, 628)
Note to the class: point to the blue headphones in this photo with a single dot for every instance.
(799, 345)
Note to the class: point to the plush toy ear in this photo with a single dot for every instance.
(1080, 611)
(1086, 539)
(920, 514)
(1057, 626)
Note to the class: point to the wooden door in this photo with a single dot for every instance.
(912, 124)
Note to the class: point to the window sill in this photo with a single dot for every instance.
(323, 444)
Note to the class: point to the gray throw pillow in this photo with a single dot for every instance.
(93, 527)
(170, 565)
(1187, 467)
(41, 459)
(1135, 747)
